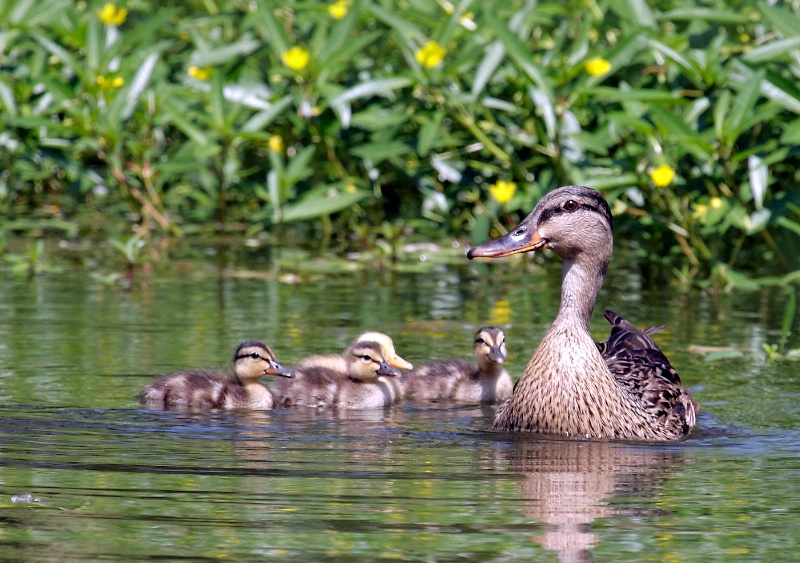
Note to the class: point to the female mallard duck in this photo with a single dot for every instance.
(361, 378)
(623, 388)
(204, 389)
(461, 381)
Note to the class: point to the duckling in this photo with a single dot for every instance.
(625, 387)
(461, 381)
(204, 389)
(361, 378)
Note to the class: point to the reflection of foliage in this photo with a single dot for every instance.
(367, 112)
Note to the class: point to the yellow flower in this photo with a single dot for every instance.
(296, 58)
(597, 66)
(276, 143)
(500, 313)
(110, 14)
(430, 55)
(503, 191)
(662, 176)
(715, 202)
(110, 82)
(338, 10)
(200, 72)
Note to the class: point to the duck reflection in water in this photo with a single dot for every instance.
(567, 485)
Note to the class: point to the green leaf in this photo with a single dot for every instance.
(723, 355)
(130, 95)
(317, 206)
(742, 107)
(789, 314)
(606, 93)
(518, 52)
(273, 30)
(224, 54)
(493, 56)
(264, 118)
(704, 14)
(428, 133)
(380, 151)
(639, 12)
(772, 50)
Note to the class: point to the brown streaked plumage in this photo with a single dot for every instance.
(622, 388)
(361, 378)
(462, 381)
(205, 389)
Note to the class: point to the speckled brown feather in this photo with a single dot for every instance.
(461, 381)
(333, 381)
(203, 389)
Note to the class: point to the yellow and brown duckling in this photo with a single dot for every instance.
(626, 387)
(462, 381)
(205, 389)
(361, 378)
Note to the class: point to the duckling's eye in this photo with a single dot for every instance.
(480, 341)
(366, 359)
(256, 356)
(570, 205)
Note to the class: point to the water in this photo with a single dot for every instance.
(87, 474)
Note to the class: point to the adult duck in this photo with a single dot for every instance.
(625, 387)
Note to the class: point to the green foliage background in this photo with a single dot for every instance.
(210, 129)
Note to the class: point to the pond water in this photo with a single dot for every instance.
(88, 474)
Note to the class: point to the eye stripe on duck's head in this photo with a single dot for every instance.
(567, 220)
(252, 356)
(490, 342)
(382, 345)
(568, 199)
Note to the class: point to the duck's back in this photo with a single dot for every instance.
(200, 389)
(315, 383)
(636, 362)
(437, 380)
(456, 380)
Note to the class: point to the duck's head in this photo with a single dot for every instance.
(372, 355)
(490, 346)
(254, 359)
(569, 221)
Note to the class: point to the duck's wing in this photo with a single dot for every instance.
(639, 365)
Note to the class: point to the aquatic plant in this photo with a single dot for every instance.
(209, 116)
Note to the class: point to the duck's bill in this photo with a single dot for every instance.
(399, 363)
(387, 370)
(277, 369)
(512, 243)
(497, 357)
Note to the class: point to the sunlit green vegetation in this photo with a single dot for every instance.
(367, 123)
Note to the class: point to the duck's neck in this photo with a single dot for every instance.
(581, 281)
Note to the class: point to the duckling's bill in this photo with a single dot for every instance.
(521, 239)
(276, 369)
(398, 362)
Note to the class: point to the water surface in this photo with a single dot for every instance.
(87, 474)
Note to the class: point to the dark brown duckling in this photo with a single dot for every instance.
(205, 389)
(462, 381)
(569, 387)
(361, 378)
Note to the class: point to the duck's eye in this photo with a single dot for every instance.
(480, 341)
(256, 356)
(366, 359)
(570, 205)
